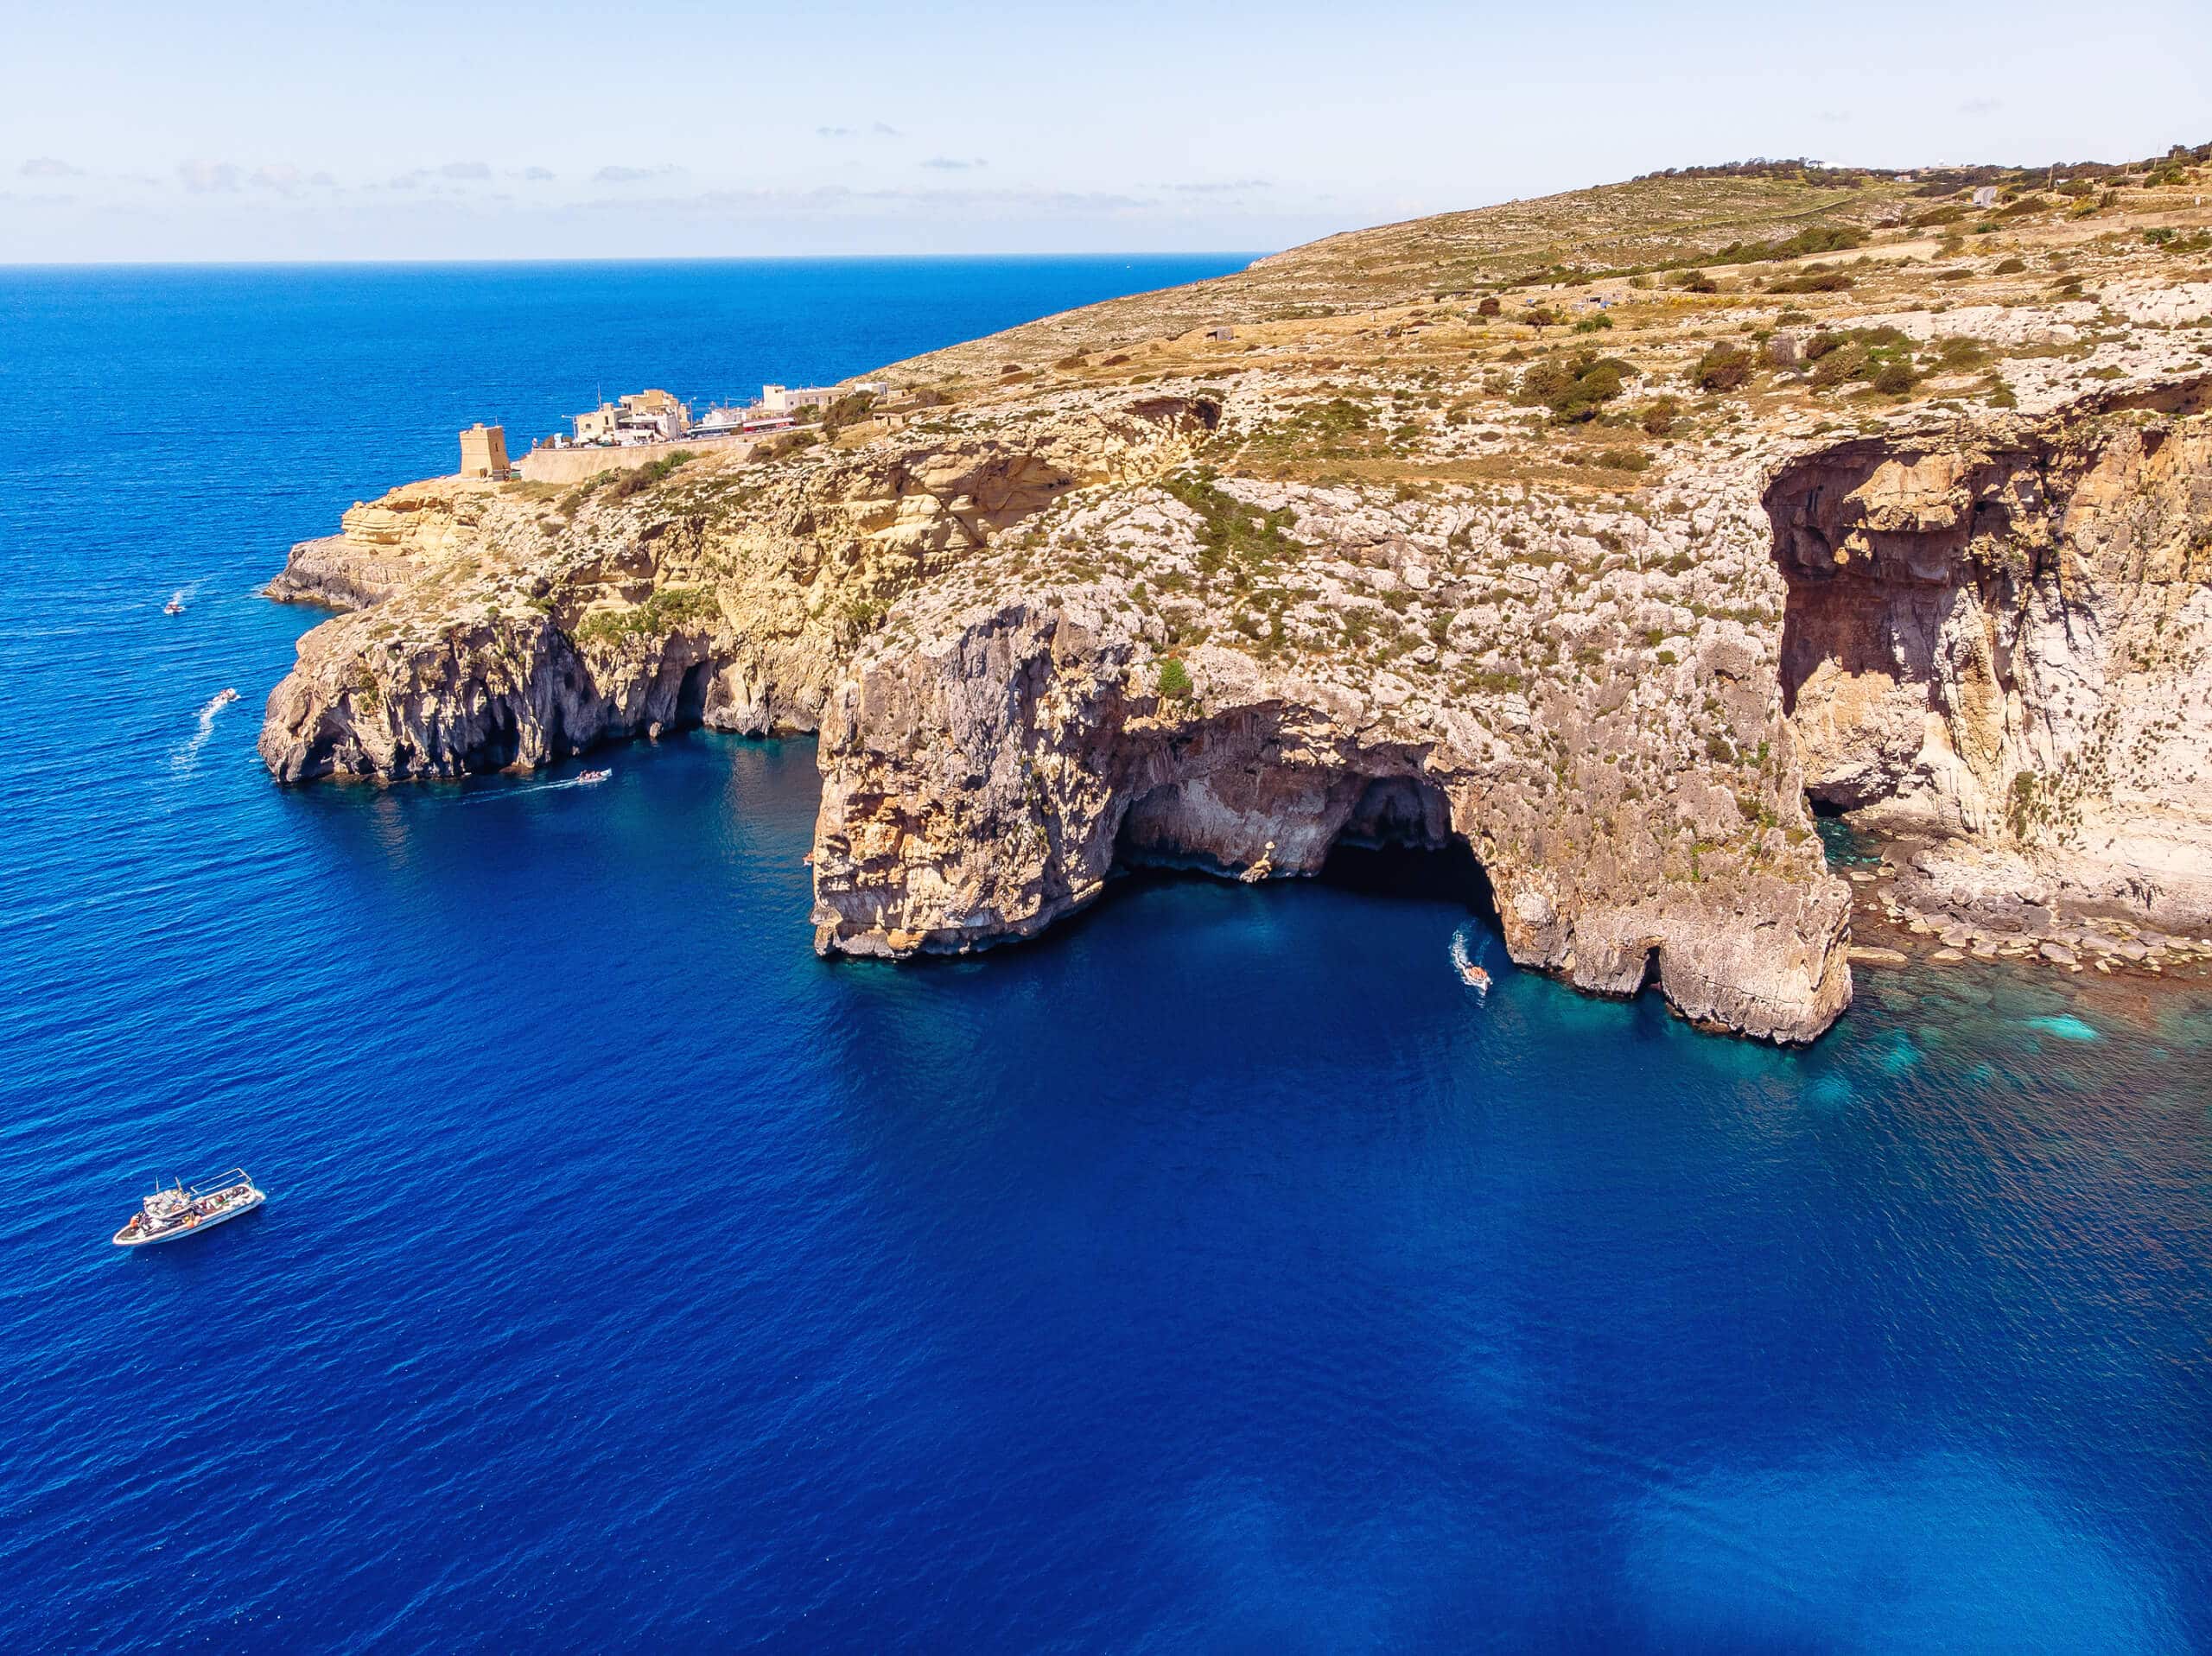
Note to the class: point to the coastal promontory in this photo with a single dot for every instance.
(1611, 536)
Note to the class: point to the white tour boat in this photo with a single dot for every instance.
(1463, 962)
(591, 776)
(181, 1209)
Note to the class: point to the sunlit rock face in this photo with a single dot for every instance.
(2002, 637)
(1409, 538)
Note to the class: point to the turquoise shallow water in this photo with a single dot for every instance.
(1214, 1274)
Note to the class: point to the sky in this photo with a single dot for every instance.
(244, 132)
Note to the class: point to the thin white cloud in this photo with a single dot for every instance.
(534, 174)
(953, 163)
(633, 174)
(833, 132)
(1230, 187)
(831, 198)
(208, 177)
(48, 167)
(1980, 106)
(883, 131)
(452, 172)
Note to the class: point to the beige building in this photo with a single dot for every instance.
(644, 416)
(484, 451)
(787, 399)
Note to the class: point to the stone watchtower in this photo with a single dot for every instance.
(484, 451)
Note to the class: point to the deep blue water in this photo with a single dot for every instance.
(1213, 1275)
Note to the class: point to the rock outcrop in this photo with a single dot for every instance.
(2003, 636)
(980, 789)
(516, 627)
(1381, 569)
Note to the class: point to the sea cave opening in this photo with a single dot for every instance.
(1399, 842)
(691, 695)
(1389, 836)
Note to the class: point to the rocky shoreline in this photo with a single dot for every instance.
(1905, 904)
(1226, 605)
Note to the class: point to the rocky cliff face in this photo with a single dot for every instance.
(1411, 572)
(2004, 637)
(517, 626)
(980, 788)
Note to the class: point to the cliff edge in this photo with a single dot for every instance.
(1612, 569)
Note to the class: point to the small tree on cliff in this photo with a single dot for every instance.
(1174, 680)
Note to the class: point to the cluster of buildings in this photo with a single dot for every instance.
(655, 417)
(641, 420)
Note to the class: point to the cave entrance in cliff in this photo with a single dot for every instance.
(691, 695)
(1388, 836)
(1862, 616)
(1398, 841)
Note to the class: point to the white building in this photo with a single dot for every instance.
(787, 399)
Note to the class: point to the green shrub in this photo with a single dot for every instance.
(1894, 378)
(639, 478)
(1815, 280)
(1659, 417)
(1861, 354)
(1957, 353)
(672, 609)
(1820, 238)
(1846, 359)
(1229, 531)
(1723, 368)
(1174, 680)
(1574, 390)
(1695, 282)
(1594, 323)
(847, 410)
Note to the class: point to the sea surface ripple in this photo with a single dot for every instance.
(1218, 1274)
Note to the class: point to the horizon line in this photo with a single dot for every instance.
(668, 259)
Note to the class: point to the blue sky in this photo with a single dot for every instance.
(234, 131)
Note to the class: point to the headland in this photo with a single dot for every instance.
(1614, 535)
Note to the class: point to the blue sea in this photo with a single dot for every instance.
(1216, 1274)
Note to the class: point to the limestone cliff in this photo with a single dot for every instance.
(2004, 635)
(529, 622)
(1401, 570)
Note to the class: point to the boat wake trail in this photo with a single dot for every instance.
(589, 779)
(187, 754)
(1464, 952)
(180, 597)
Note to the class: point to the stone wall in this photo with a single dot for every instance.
(575, 465)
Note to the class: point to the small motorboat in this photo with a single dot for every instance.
(179, 1209)
(590, 777)
(1463, 962)
(175, 606)
(225, 697)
